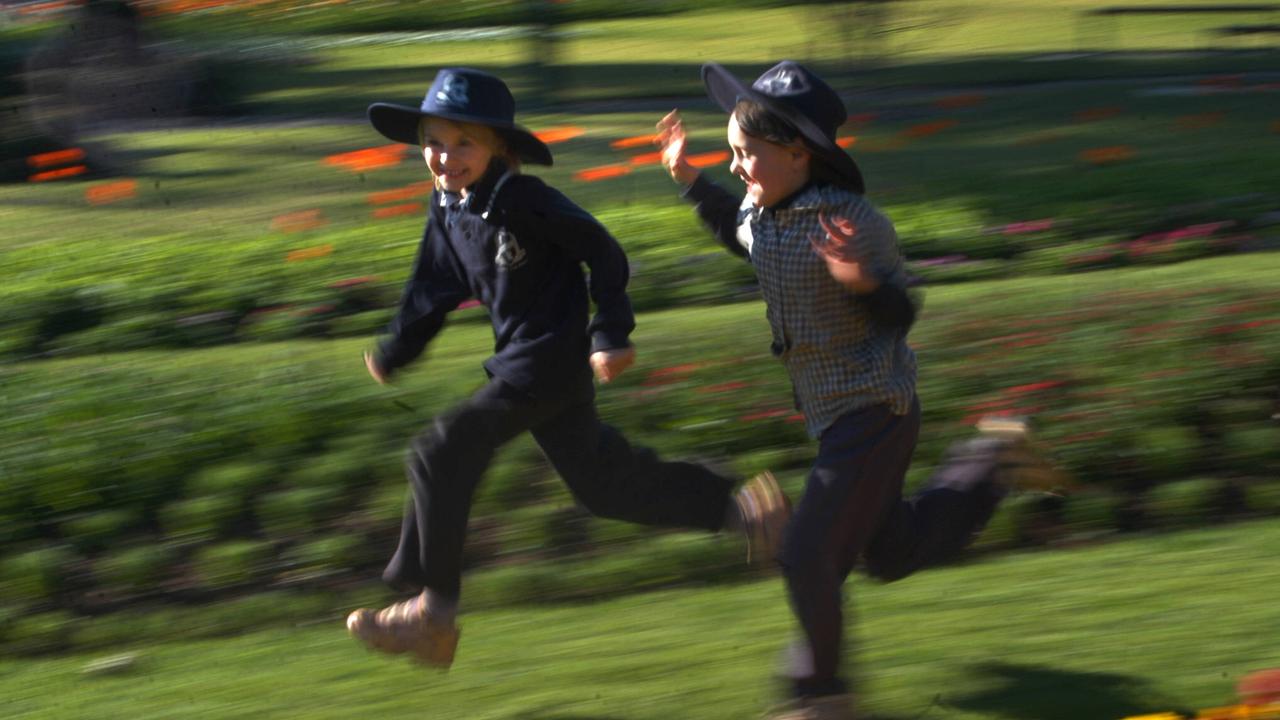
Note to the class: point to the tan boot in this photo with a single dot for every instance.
(765, 513)
(406, 627)
(1022, 465)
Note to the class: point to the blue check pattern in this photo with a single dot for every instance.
(838, 360)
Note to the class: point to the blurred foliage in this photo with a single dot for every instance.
(134, 471)
(1143, 383)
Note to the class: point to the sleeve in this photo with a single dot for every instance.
(718, 210)
(890, 306)
(433, 290)
(584, 239)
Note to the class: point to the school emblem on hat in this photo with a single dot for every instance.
(510, 254)
(453, 91)
(782, 81)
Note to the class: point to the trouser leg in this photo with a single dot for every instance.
(614, 479)
(444, 464)
(857, 477)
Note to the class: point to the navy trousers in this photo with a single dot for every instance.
(606, 474)
(853, 510)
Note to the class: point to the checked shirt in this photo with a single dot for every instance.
(837, 358)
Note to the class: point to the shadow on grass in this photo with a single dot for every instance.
(1032, 692)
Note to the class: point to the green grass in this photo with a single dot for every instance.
(1014, 156)
(1133, 627)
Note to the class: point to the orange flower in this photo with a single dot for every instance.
(1109, 154)
(111, 192)
(708, 159)
(929, 128)
(57, 157)
(412, 208)
(602, 172)
(309, 253)
(652, 158)
(403, 193)
(634, 141)
(58, 174)
(369, 158)
(552, 136)
(297, 221)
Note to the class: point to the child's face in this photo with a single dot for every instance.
(771, 171)
(457, 153)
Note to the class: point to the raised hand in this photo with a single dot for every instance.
(671, 139)
(840, 251)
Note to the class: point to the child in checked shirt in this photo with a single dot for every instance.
(834, 286)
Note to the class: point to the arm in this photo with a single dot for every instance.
(718, 210)
(585, 240)
(434, 288)
(864, 259)
(717, 207)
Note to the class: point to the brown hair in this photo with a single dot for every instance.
(760, 122)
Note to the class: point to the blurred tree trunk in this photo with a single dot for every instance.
(544, 23)
(852, 33)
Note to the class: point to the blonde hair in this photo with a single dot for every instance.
(488, 136)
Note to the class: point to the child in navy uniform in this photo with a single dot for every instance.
(834, 285)
(517, 246)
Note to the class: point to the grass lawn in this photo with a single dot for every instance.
(1142, 625)
(1009, 156)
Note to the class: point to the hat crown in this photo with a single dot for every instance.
(794, 84)
(470, 94)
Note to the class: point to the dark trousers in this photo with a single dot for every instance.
(605, 473)
(853, 509)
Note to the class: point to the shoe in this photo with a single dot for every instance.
(1020, 464)
(406, 627)
(824, 707)
(765, 512)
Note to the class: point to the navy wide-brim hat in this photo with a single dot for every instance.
(462, 95)
(793, 92)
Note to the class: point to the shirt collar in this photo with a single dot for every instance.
(478, 195)
(792, 201)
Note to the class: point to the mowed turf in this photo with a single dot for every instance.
(1147, 624)
(938, 162)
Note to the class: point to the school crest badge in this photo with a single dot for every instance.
(510, 254)
(453, 92)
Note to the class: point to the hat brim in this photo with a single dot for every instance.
(400, 123)
(726, 90)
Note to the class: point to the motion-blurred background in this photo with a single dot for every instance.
(200, 233)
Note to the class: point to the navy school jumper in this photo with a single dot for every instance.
(518, 245)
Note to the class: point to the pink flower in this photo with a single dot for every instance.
(1035, 387)
(764, 415)
(1028, 226)
(352, 282)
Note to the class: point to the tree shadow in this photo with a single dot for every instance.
(1030, 692)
